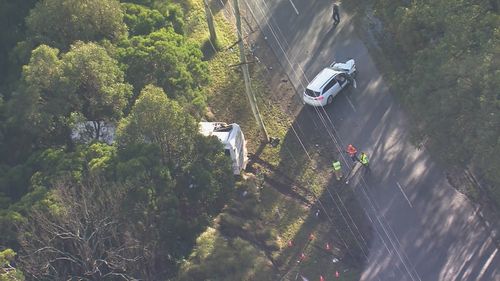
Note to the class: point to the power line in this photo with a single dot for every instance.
(338, 146)
(301, 142)
(333, 200)
(246, 76)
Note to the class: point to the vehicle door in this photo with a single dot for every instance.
(342, 79)
(351, 80)
(331, 88)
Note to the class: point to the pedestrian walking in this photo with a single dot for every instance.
(336, 16)
(337, 169)
(353, 152)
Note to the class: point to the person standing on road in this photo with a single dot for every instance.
(364, 161)
(353, 152)
(337, 169)
(336, 16)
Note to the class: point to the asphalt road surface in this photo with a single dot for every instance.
(424, 230)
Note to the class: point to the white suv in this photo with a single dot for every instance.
(329, 82)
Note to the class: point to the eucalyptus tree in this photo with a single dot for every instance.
(59, 23)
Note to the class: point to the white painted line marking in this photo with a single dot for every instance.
(350, 102)
(487, 264)
(400, 188)
(296, 11)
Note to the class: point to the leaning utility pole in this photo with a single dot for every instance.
(246, 76)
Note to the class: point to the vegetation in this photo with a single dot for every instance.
(444, 66)
(159, 201)
(85, 80)
(7, 271)
(59, 23)
(83, 207)
(454, 47)
(168, 60)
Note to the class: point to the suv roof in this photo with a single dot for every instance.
(321, 79)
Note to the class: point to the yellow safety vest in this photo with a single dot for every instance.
(364, 159)
(336, 166)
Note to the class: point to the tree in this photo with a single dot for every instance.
(182, 177)
(159, 120)
(196, 163)
(141, 20)
(85, 79)
(7, 271)
(59, 23)
(94, 79)
(12, 30)
(36, 107)
(3, 148)
(220, 258)
(166, 59)
(174, 14)
(81, 234)
(450, 77)
(153, 207)
(171, 11)
(9, 219)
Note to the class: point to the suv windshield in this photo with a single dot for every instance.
(312, 93)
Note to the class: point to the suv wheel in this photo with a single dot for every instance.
(329, 100)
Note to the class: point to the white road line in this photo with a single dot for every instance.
(296, 11)
(350, 103)
(487, 264)
(400, 188)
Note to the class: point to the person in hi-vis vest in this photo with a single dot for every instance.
(337, 169)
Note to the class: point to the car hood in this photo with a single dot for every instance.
(343, 66)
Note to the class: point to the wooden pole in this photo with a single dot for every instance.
(246, 76)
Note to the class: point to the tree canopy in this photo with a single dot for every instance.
(12, 14)
(59, 23)
(214, 257)
(81, 233)
(85, 80)
(197, 163)
(163, 180)
(96, 81)
(132, 208)
(450, 76)
(142, 20)
(7, 271)
(166, 59)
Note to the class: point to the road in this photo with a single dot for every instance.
(424, 230)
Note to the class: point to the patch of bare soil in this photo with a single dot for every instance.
(281, 89)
